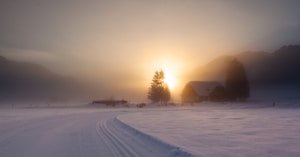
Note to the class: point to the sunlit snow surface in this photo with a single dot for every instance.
(224, 130)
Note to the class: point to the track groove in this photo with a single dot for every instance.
(117, 146)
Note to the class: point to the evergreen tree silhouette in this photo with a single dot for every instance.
(159, 90)
(236, 84)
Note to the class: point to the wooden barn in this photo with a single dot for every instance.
(198, 91)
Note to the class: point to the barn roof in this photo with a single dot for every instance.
(203, 88)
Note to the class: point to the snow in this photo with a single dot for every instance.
(50, 132)
(203, 88)
(207, 129)
(224, 130)
(75, 132)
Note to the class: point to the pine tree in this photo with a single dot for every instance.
(166, 94)
(237, 85)
(159, 90)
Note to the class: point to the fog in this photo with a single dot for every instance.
(116, 46)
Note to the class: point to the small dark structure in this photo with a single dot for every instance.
(110, 102)
(198, 91)
(141, 105)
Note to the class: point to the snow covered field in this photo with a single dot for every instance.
(220, 131)
(205, 130)
(72, 132)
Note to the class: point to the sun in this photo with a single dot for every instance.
(171, 66)
(170, 80)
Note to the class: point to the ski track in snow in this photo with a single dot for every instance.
(151, 132)
(76, 134)
(123, 140)
(224, 131)
(111, 139)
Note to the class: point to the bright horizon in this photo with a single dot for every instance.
(119, 45)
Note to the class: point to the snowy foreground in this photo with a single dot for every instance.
(230, 131)
(218, 131)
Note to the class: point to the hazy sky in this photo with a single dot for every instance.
(120, 43)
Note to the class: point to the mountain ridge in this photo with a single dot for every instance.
(263, 68)
(26, 81)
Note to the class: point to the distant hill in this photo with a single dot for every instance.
(26, 81)
(281, 67)
(277, 68)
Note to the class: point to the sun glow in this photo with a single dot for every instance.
(170, 80)
(174, 64)
(171, 67)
